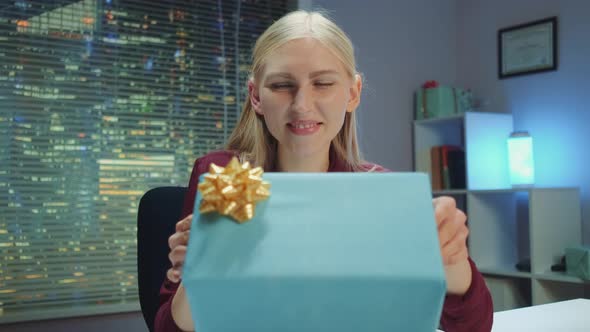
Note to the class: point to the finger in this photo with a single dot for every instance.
(456, 245)
(177, 271)
(184, 224)
(450, 227)
(172, 275)
(443, 207)
(173, 240)
(177, 255)
(178, 238)
(459, 257)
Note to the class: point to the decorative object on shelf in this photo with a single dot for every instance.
(524, 265)
(527, 48)
(559, 267)
(520, 159)
(577, 261)
(430, 84)
(435, 101)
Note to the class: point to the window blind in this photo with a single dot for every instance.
(101, 100)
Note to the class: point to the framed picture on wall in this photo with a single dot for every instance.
(527, 48)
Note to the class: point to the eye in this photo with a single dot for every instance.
(323, 84)
(281, 86)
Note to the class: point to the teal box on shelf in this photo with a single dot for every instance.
(325, 252)
(441, 101)
(577, 261)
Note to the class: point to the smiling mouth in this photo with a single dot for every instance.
(304, 127)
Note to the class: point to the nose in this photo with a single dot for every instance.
(302, 100)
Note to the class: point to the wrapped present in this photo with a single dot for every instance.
(577, 261)
(323, 252)
(436, 101)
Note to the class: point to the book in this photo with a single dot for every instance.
(447, 166)
(436, 167)
(423, 162)
(448, 152)
(456, 169)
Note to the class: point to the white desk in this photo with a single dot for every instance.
(566, 316)
(573, 315)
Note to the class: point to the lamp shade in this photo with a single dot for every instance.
(520, 159)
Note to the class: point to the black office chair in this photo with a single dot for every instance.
(159, 210)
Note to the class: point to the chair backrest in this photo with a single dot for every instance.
(159, 210)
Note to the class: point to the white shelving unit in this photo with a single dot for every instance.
(507, 225)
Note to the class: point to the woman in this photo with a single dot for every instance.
(299, 116)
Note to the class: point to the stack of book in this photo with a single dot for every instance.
(447, 167)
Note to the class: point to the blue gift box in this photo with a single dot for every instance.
(325, 252)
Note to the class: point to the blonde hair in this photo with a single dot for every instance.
(251, 138)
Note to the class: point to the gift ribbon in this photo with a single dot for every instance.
(233, 190)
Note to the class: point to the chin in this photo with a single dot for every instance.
(306, 150)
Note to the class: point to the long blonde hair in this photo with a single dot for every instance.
(251, 138)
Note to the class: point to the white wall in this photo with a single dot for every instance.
(553, 106)
(399, 45)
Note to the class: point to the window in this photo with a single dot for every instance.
(101, 100)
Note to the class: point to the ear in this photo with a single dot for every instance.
(355, 93)
(254, 97)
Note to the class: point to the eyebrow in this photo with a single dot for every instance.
(311, 75)
(323, 72)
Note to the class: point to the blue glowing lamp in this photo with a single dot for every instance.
(520, 159)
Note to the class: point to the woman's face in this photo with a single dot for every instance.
(304, 93)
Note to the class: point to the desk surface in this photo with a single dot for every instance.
(573, 315)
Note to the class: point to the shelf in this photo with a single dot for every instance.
(504, 272)
(559, 276)
(499, 191)
(547, 276)
(496, 191)
(440, 120)
(507, 224)
(484, 191)
(515, 190)
(450, 192)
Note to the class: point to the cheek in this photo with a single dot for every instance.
(272, 107)
(273, 102)
(336, 103)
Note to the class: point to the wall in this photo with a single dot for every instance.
(399, 45)
(552, 106)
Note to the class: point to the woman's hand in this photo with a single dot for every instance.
(452, 231)
(177, 243)
(452, 236)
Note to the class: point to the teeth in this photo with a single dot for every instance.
(304, 126)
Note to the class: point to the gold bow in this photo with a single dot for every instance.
(233, 190)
